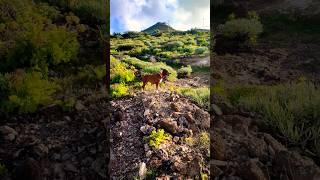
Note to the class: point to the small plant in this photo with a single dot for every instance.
(92, 74)
(68, 103)
(201, 50)
(204, 140)
(173, 45)
(3, 170)
(204, 176)
(189, 141)
(119, 90)
(157, 137)
(184, 71)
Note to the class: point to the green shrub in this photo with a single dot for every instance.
(3, 170)
(173, 45)
(237, 92)
(242, 27)
(184, 71)
(88, 10)
(31, 39)
(119, 72)
(91, 74)
(119, 90)
(200, 95)
(201, 50)
(27, 91)
(292, 109)
(68, 103)
(137, 62)
(189, 49)
(157, 137)
(204, 141)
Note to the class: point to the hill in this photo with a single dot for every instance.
(161, 26)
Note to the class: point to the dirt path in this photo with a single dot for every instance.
(197, 61)
(127, 149)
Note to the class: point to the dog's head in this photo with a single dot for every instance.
(164, 73)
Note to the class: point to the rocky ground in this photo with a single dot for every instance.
(133, 118)
(242, 150)
(242, 146)
(269, 65)
(52, 144)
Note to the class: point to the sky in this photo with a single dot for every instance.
(137, 15)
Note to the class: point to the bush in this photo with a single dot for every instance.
(32, 40)
(200, 95)
(119, 90)
(91, 74)
(189, 49)
(184, 71)
(173, 45)
(157, 137)
(88, 10)
(292, 109)
(27, 91)
(242, 27)
(201, 50)
(3, 170)
(119, 73)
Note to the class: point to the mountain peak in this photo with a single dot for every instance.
(161, 26)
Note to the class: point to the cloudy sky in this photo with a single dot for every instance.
(137, 15)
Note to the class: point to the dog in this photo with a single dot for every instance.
(155, 78)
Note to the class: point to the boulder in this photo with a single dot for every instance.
(169, 125)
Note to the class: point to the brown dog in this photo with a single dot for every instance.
(155, 78)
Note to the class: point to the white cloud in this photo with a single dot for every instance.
(137, 15)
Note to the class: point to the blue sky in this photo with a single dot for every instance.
(137, 15)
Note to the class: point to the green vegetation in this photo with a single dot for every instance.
(204, 140)
(151, 68)
(119, 90)
(90, 74)
(41, 61)
(242, 28)
(157, 137)
(26, 91)
(201, 96)
(291, 109)
(184, 71)
(120, 72)
(3, 170)
(164, 45)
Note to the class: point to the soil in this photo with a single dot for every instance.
(53, 144)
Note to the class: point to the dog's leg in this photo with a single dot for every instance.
(157, 87)
(143, 85)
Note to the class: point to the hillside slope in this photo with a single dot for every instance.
(161, 26)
